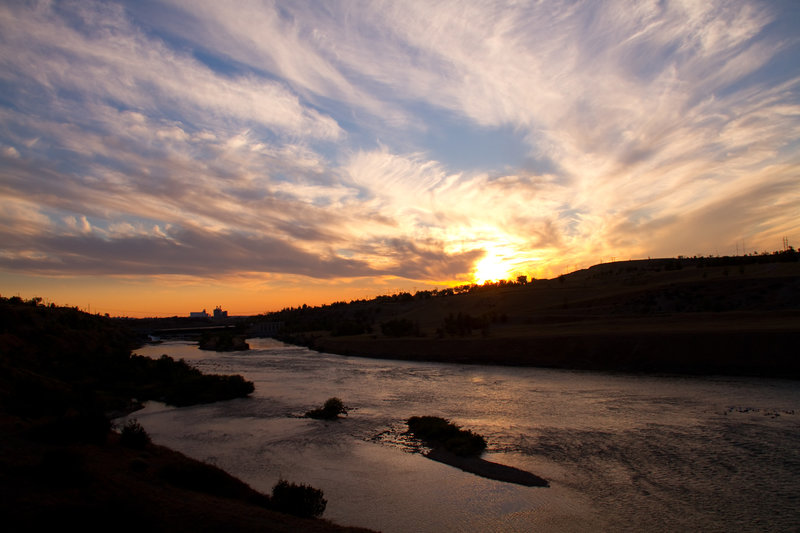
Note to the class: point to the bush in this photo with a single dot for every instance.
(298, 500)
(439, 432)
(133, 435)
(330, 411)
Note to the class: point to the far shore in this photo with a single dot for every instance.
(741, 345)
(722, 315)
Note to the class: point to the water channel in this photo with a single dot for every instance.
(621, 452)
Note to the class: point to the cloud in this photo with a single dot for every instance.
(300, 43)
(23, 216)
(11, 152)
(129, 251)
(190, 251)
(765, 207)
(188, 137)
(96, 54)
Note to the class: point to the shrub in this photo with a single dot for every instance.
(298, 500)
(133, 435)
(439, 432)
(330, 411)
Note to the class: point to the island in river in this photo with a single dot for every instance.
(719, 315)
(223, 342)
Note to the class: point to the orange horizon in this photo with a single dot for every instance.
(168, 297)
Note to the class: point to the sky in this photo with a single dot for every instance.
(162, 157)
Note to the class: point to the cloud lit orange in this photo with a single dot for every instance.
(162, 157)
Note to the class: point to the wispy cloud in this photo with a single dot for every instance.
(195, 138)
(91, 52)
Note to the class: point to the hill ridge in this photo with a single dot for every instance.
(729, 315)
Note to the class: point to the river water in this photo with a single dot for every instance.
(622, 453)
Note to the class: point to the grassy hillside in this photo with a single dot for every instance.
(732, 315)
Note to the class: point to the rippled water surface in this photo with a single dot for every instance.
(622, 453)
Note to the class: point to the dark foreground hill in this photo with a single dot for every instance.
(49, 482)
(62, 374)
(723, 315)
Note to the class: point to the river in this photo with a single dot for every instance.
(621, 452)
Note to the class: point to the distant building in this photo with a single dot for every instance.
(200, 314)
(219, 313)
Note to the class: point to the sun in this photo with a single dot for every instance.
(490, 268)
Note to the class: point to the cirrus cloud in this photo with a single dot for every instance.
(202, 139)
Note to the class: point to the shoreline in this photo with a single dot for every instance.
(66, 376)
(736, 348)
(49, 480)
(685, 316)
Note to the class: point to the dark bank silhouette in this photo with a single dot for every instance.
(688, 315)
(63, 374)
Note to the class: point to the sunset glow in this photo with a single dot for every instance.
(163, 156)
(491, 268)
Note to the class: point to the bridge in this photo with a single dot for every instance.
(264, 329)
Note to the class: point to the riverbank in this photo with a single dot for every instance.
(63, 375)
(743, 344)
(620, 452)
(49, 480)
(681, 316)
